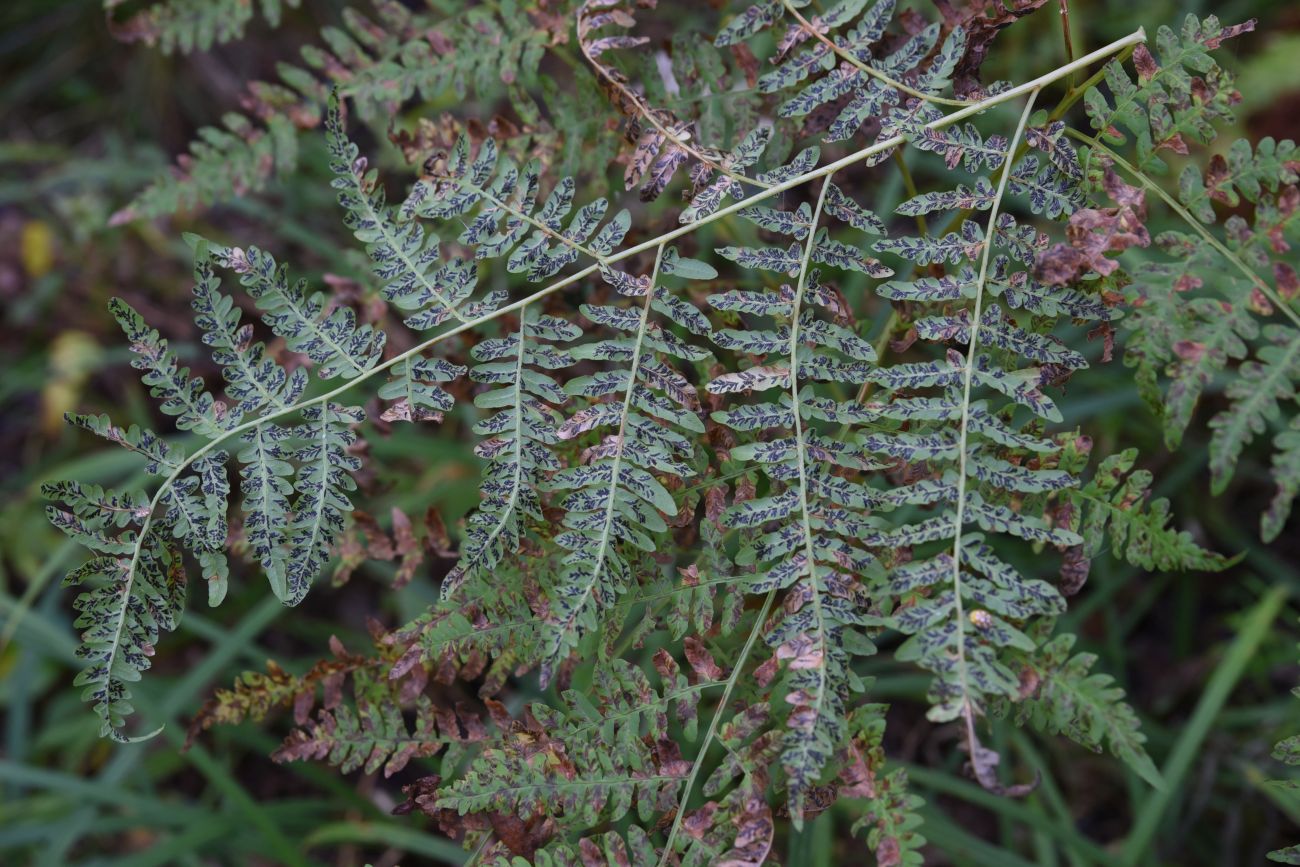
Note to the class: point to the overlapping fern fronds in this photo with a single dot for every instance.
(1220, 296)
(378, 60)
(707, 454)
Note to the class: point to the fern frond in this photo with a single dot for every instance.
(968, 457)
(601, 455)
(254, 382)
(497, 202)
(1116, 504)
(136, 591)
(323, 482)
(519, 436)
(187, 399)
(890, 817)
(593, 758)
(255, 695)
(333, 339)
(142, 590)
(235, 159)
(1088, 708)
(1257, 394)
(616, 497)
(493, 631)
(192, 25)
(1286, 475)
(1242, 174)
(375, 734)
(1191, 341)
(815, 550)
(1166, 106)
(379, 64)
(610, 849)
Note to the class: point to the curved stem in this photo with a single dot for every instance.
(648, 113)
(968, 376)
(909, 184)
(611, 501)
(805, 506)
(1065, 36)
(713, 725)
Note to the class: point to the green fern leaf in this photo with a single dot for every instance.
(1088, 708)
(193, 25)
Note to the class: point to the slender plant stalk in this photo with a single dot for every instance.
(968, 377)
(713, 725)
(1065, 38)
(909, 184)
(874, 73)
(805, 507)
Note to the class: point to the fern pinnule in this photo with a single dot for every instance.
(136, 591)
(255, 382)
(331, 338)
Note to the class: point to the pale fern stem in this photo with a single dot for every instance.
(320, 333)
(968, 375)
(1138, 175)
(809, 554)
(713, 725)
(1033, 86)
(804, 506)
(606, 531)
(874, 73)
(648, 113)
(542, 227)
(508, 512)
(382, 222)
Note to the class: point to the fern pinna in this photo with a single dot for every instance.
(710, 457)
